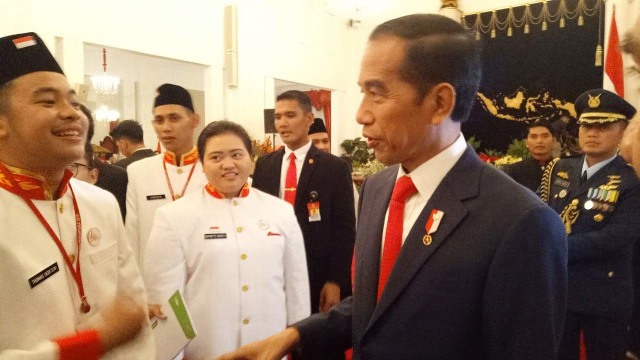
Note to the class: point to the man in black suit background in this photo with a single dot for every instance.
(322, 199)
(129, 137)
(541, 140)
(480, 266)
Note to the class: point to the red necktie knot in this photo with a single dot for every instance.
(403, 189)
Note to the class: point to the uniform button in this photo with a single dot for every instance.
(245, 288)
(245, 321)
(179, 171)
(235, 202)
(243, 257)
(239, 229)
(610, 274)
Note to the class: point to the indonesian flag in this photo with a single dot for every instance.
(24, 42)
(613, 69)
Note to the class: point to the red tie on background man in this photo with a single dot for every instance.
(393, 236)
(291, 181)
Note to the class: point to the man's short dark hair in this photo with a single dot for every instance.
(630, 43)
(303, 99)
(542, 123)
(222, 127)
(130, 130)
(438, 50)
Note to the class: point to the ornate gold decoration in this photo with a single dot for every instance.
(544, 17)
(594, 101)
(570, 214)
(545, 186)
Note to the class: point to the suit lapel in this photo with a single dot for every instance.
(275, 168)
(447, 198)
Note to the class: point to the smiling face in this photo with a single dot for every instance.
(42, 129)
(226, 163)
(175, 125)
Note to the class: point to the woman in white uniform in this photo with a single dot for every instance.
(236, 253)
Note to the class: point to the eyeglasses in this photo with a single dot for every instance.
(75, 166)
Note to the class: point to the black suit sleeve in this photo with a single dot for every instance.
(530, 266)
(326, 332)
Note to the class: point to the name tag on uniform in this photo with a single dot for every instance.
(560, 182)
(43, 275)
(215, 236)
(156, 197)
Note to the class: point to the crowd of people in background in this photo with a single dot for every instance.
(451, 258)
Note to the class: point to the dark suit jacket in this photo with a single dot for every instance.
(491, 285)
(114, 179)
(527, 173)
(137, 155)
(601, 242)
(329, 242)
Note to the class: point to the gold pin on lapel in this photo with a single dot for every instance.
(426, 240)
(310, 161)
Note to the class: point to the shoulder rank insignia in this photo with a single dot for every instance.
(563, 174)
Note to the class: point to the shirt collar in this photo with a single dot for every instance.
(429, 174)
(32, 186)
(594, 169)
(301, 152)
(244, 192)
(189, 158)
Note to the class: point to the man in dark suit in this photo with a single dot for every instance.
(322, 199)
(541, 141)
(598, 198)
(481, 271)
(129, 137)
(110, 177)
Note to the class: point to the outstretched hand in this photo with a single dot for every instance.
(271, 348)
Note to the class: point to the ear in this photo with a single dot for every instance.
(195, 118)
(4, 126)
(309, 117)
(443, 97)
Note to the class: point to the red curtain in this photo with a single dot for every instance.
(321, 100)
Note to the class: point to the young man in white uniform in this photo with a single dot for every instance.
(70, 285)
(161, 179)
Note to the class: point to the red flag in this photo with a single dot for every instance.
(613, 68)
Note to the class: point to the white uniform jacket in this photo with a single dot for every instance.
(36, 307)
(148, 190)
(240, 264)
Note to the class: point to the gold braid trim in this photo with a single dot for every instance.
(569, 215)
(545, 186)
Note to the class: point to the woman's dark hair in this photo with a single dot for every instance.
(222, 127)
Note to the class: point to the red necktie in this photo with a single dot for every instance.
(291, 181)
(393, 236)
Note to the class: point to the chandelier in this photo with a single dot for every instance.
(105, 84)
(104, 114)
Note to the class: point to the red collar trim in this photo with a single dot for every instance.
(32, 186)
(244, 192)
(186, 159)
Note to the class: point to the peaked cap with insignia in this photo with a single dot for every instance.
(22, 54)
(599, 106)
